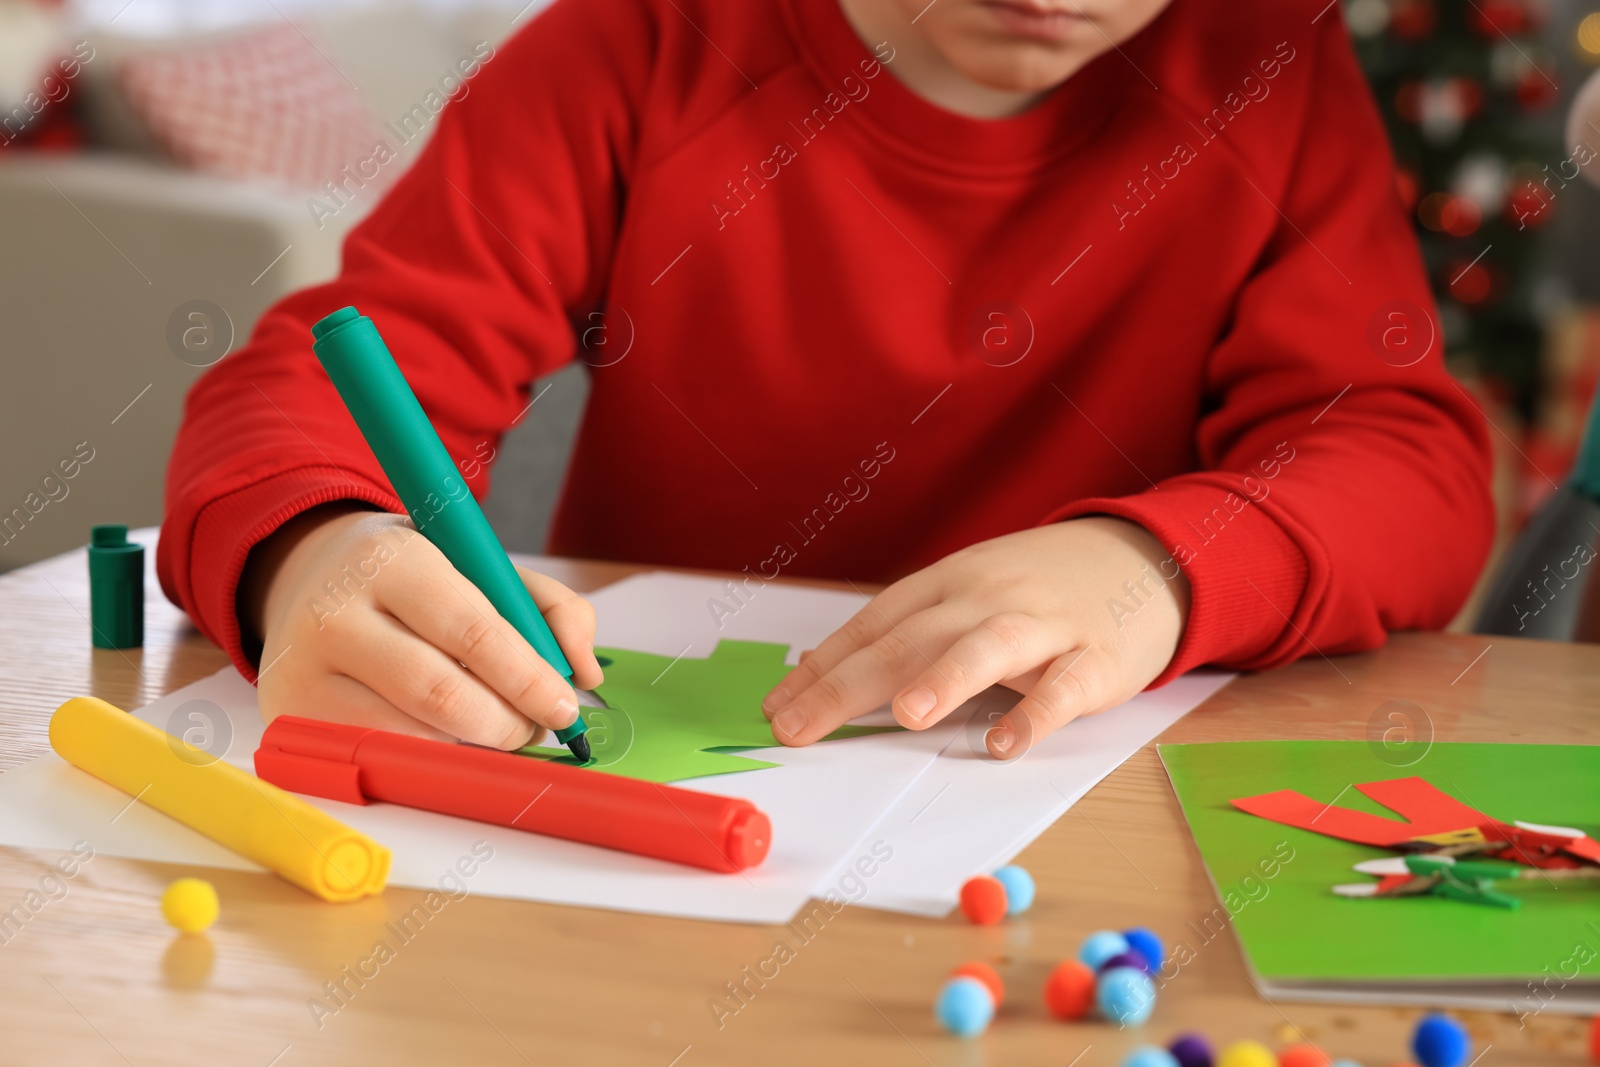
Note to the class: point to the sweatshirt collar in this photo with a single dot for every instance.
(933, 136)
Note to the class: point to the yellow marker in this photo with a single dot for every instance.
(239, 811)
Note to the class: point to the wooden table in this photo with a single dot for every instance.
(96, 977)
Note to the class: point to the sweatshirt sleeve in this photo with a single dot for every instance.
(1340, 495)
(468, 266)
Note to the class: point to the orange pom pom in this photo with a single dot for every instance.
(983, 900)
(1303, 1056)
(1594, 1039)
(985, 974)
(1069, 991)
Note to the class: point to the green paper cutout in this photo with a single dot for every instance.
(1294, 928)
(669, 719)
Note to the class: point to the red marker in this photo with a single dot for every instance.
(356, 764)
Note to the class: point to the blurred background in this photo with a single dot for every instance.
(168, 168)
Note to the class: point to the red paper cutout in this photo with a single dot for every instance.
(1584, 848)
(1549, 851)
(1427, 810)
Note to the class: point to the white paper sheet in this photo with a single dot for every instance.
(970, 813)
(824, 799)
(927, 795)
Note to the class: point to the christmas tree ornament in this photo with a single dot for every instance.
(1366, 18)
(1485, 179)
(1498, 18)
(1412, 20)
(1469, 282)
(1583, 143)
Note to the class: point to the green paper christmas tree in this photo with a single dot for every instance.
(669, 719)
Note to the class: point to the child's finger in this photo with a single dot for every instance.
(427, 684)
(448, 612)
(876, 618)
(864, 680)
(997, 649)
(572, 620)
(340, 698)
(1077, 683)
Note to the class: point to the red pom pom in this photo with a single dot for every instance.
(1594, 1039)
(983, 900)
(985, 974)
(1303, 1056)
(1069, 991)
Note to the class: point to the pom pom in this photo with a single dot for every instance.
(1018, 885)
(1440, 1041)
(964, 1007)
(1101, 946)
(1145, 942)
(1303, 1056)
(1069, 991)
(1191, 1050)
(985, 974)
(190, 905)
(1247, 1054)
(983, 900)
(1125, 996)
(1126, 959)
(1148, 1056)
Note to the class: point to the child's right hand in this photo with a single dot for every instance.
(364, 621)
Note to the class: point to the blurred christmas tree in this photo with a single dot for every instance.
(1467, 93)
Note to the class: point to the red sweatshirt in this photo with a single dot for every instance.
(843, 332)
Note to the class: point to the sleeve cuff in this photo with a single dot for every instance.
(227, 528)
(1248, 577)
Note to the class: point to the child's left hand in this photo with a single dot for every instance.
(1030, 610)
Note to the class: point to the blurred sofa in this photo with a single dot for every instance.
(109, 255)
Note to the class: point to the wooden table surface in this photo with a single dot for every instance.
(96, 976)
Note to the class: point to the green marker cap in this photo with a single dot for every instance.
(116, 588)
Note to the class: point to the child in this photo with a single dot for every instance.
(1097, 325)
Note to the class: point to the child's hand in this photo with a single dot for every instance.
(1030, 610)
(401, 640)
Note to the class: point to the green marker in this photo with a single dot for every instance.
(428, 484)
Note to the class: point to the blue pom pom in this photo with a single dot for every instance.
(1148, 1056)
(1125, 996)
(1101, 946)
(964, 1007)
(1440, 1041)
(1146, 943)
(1019, 888)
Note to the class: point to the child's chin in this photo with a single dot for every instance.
(1022, 68)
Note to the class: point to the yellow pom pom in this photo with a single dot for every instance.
(1247, 1054)
(190, 904)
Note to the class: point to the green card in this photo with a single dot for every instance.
(669, 719)
(1276, 882)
